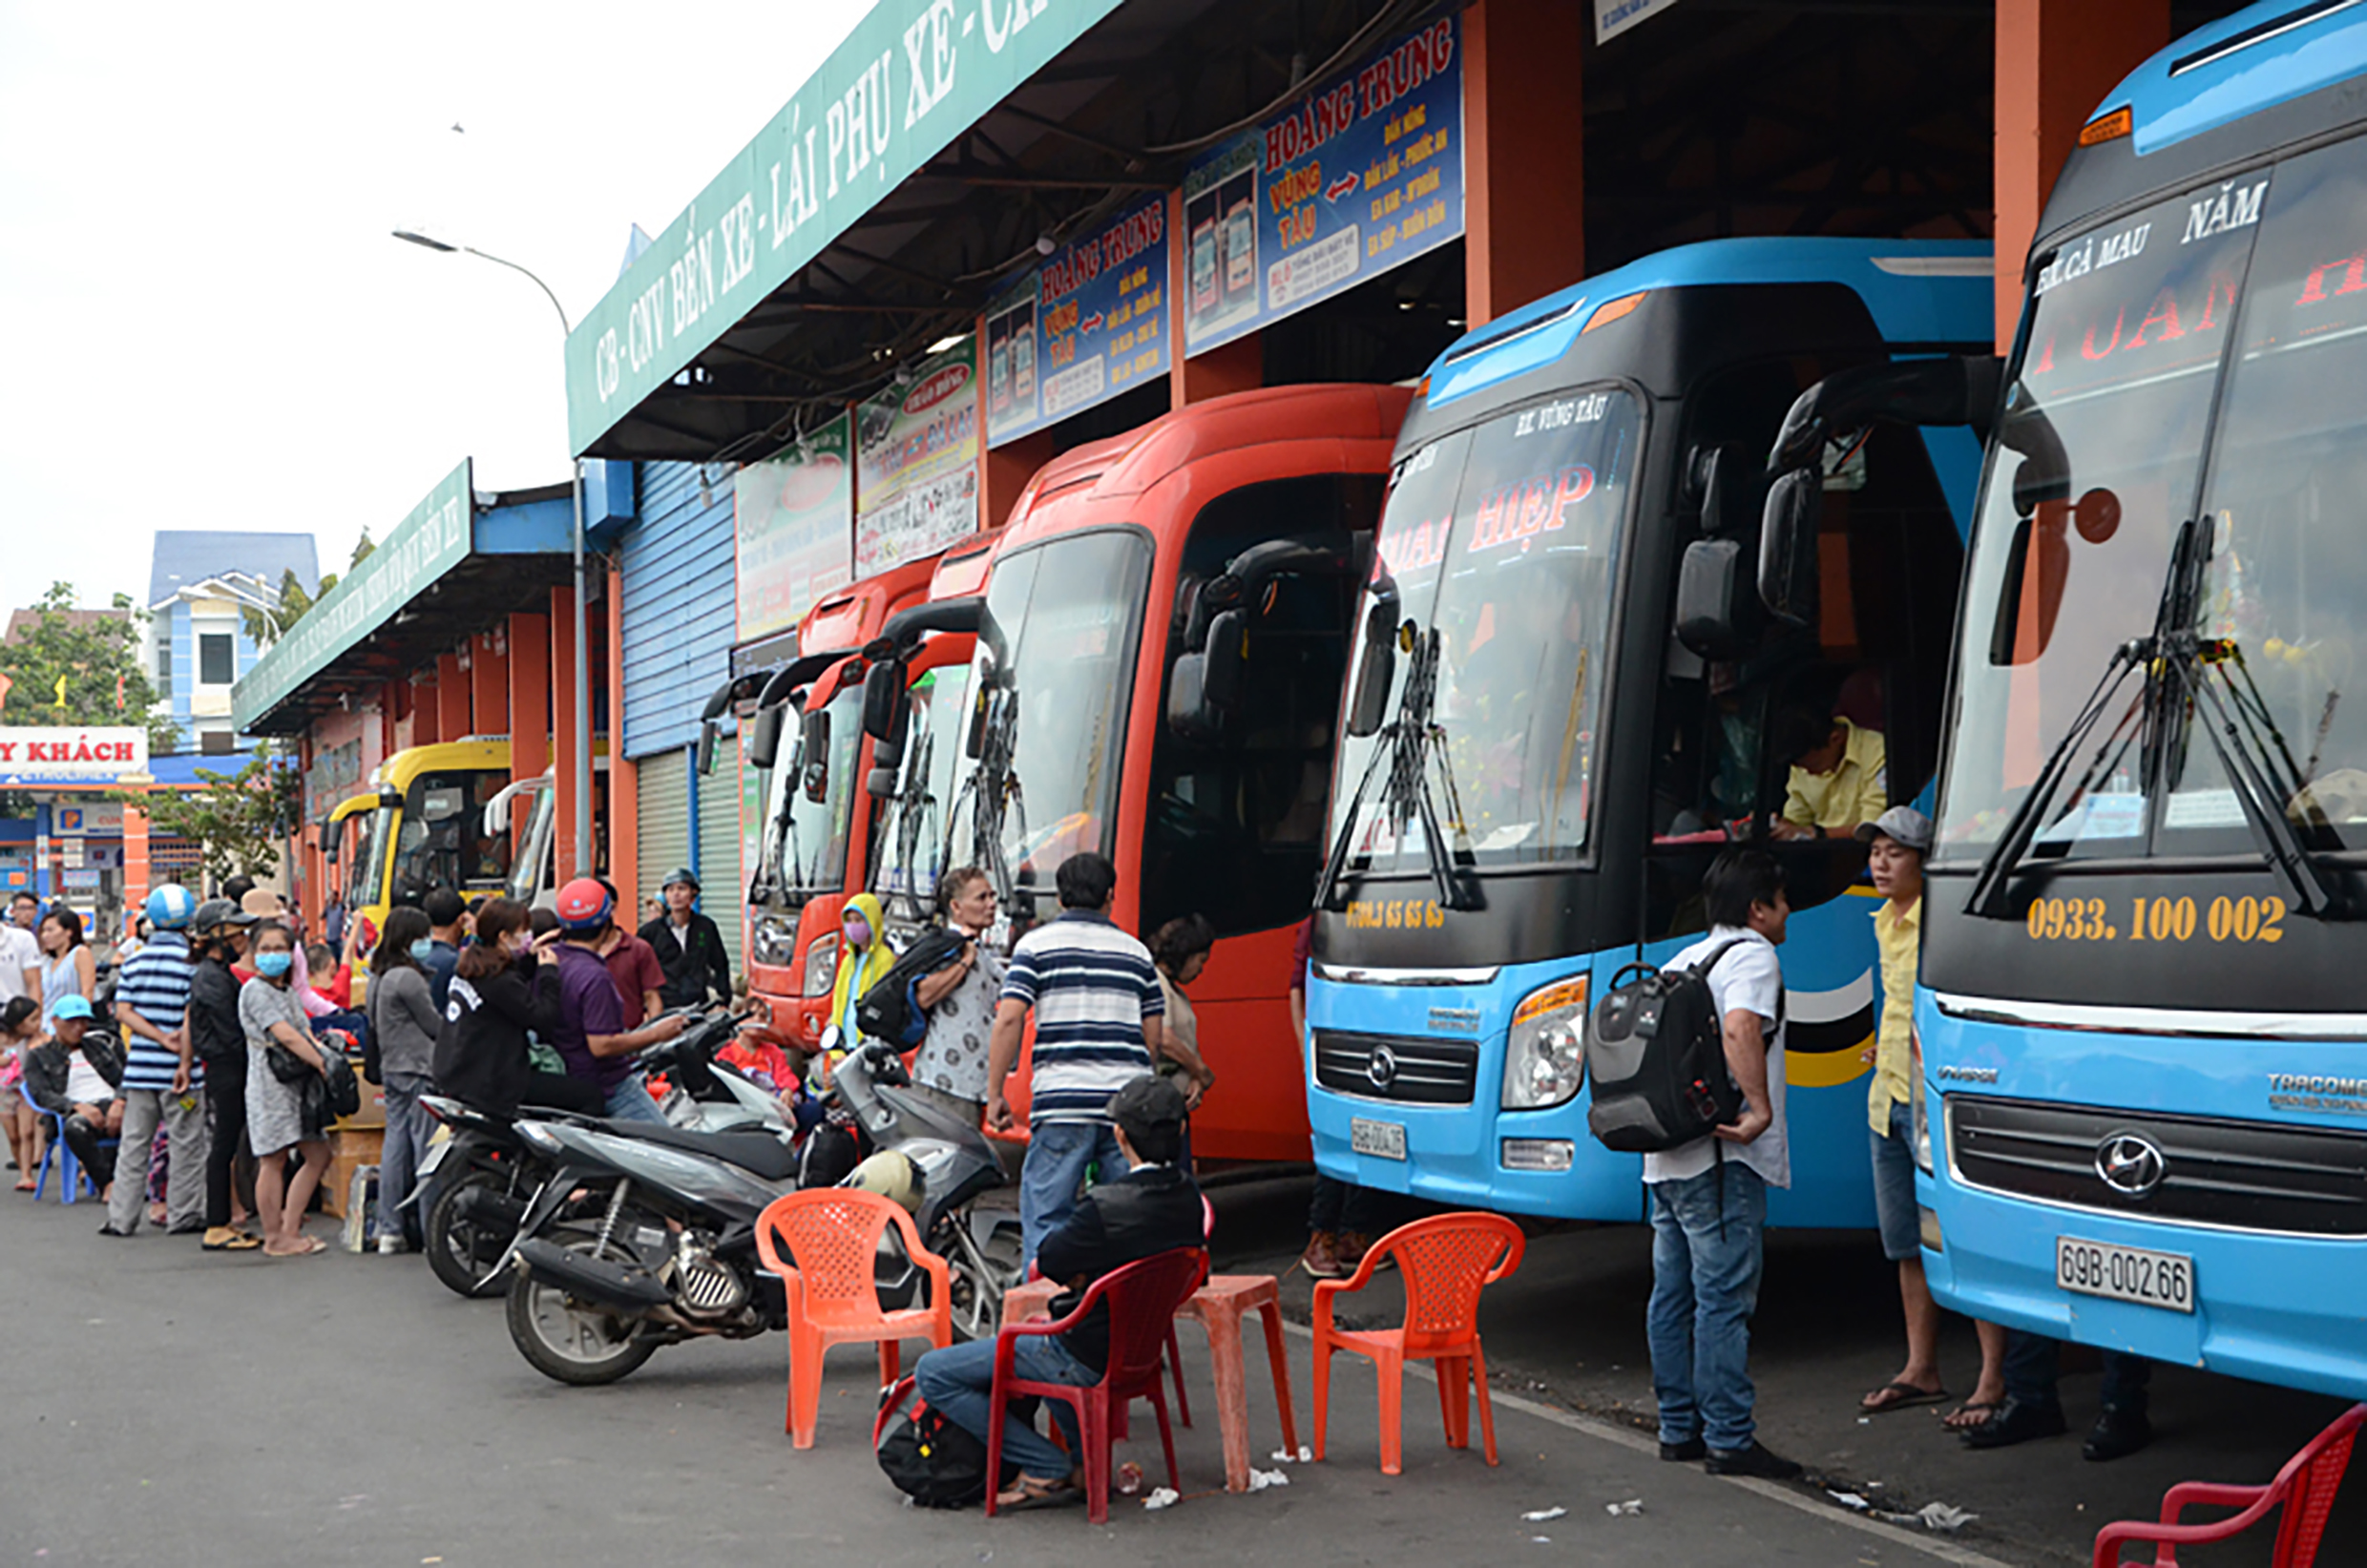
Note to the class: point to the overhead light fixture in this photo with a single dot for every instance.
(943, 343)
(412, 237)
(1045, 244)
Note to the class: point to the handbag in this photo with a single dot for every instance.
(286, 1065)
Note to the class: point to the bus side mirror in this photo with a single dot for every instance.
(704, 763)
(1716, 616)
(1368, 705)
(1788, 563)
(764, 744)
(332, 835)
(882, 700)
(815, 748)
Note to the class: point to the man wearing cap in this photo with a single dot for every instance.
(77, 1077)
(218, 1040)
(689, 946)
(1155, 1207)
(152, 1006)
(592, 1036)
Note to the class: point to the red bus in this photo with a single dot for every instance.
(1158, 676)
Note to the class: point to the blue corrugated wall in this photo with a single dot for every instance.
(676, 563)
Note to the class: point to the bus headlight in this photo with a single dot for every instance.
(1544, 1055)
(821, 965)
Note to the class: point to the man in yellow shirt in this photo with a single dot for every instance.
(1839, 777)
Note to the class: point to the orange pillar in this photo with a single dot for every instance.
(1522, 152)
(451, 699)
(1236, 367)
(424, 709)
(624, 803)
(1004, 471)
(563, 656)
(135, 857)
(2056, 59)
(489, 685)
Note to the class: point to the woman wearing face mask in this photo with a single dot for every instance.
(276, 1115)
(404, 1024)
(863, 958)
(506, 986)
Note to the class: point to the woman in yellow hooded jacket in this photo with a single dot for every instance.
(863, 958)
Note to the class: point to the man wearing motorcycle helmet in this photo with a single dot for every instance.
(151, 1006)
(592, 1037)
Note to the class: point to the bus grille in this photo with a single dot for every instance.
(1410, 1070)
(2242, 1175)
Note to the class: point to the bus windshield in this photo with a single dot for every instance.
(805, 845)
(442, 841)
(526, 872)
(1506, 540)
(366, 872)
(2252, 290)
(912, 828)
(1055, 661)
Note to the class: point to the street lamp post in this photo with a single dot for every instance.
(583, 646)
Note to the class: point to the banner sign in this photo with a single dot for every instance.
(793, 519)
(911, 77)
(1613, 17)
(102, 821)
(916, 460)
(1354, 180)
(427, 543)
(71, 754)
(1081, 328)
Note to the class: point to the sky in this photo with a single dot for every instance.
(209, 321)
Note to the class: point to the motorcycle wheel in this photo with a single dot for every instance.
(460, 1254)
(580, 1345)
(978, 1300)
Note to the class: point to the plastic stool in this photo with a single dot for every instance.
(1219, 1307)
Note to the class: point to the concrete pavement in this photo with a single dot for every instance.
(163, 1407)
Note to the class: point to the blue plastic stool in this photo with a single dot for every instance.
(69, 1171)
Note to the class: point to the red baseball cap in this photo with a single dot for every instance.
(582, 906)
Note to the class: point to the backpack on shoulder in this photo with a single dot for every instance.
(1656, 1056)
(890, 1011)
(927, 1457)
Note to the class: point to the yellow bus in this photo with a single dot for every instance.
(420, 826)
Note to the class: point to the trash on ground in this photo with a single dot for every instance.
(1944, 1517)
(1261, 1480)
(1632, 1506)
(1305, 1456)
(1166, 1497)
(1848, 1499)
(1542, 1515)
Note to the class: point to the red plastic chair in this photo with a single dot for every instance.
(1142, 1298)
(832, 1237)
(1445, 1262)
(2306, 1487)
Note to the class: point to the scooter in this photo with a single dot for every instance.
(479, 1174)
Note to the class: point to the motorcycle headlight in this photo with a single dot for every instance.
(821, 965)
(1544, 1055)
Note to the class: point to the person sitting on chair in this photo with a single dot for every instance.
(78, 1078)
(1155, 1207)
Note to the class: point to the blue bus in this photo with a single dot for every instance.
(2145, 1053)
(1563, 695)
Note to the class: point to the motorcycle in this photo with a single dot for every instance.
(479, 1172)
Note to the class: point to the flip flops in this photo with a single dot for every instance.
(1973, 1412)
(230, 1240)
(1899, 1397)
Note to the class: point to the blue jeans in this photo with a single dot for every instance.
(407, 1128)
(630, 1102)
(1705, 1287)
(1893, 1187)
(1053, 1174)
(959, 1380)
(2032, 1360)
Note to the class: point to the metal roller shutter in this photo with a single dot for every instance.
(663, 781)
(720, 892)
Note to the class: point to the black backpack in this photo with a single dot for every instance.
(927, 1457)
(889, 1010)
(1656, 1054)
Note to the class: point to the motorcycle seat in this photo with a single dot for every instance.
(757, 1152)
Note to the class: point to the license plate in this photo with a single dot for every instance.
(435, 1158)
(1382, 1140)
(2126, 1273)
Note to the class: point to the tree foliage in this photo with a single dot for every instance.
(238, 820)
(65, 671)
(266, 627)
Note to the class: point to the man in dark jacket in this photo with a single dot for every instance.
(218, 1040)
(78, 1076)
(689, 946)
(1155, 1207)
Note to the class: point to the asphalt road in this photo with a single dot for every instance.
(161, 1406)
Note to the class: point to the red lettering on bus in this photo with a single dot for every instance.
(1576, 482)
(2087, 345)
(2163, 313)
(2354, 279)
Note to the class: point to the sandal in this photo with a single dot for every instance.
(1898, 1396)
(230, 1240)
(1973, 1412)
(1032, 1491)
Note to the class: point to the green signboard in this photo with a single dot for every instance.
(911, 76)
(793, 519)
(427, 543)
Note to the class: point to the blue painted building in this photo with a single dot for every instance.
(199, 583)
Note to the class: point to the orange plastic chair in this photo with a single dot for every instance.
(823, 1245)
(1445, 1262)
(2306, 1487)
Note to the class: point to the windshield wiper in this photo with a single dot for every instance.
(2013, 846)
(1406, 747)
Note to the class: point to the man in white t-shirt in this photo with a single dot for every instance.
(20, 963)
(1709, 1195)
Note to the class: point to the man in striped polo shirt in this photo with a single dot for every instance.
(1092, 990)
(151, 1006)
